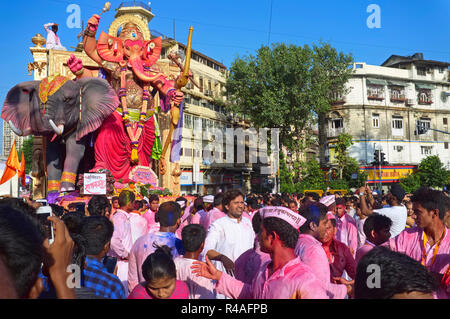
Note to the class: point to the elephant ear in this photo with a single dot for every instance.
(98, 102)
(19, 106)
(152, 51)
(110, 48)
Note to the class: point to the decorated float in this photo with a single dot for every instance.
(106, 117)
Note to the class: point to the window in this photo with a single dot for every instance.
(441, 70)
(376, 120)
(445, 121)
(397, 123)
(187, 152)
(425, 96)
(375, 92)
(398, 94)
(397, 126)
(421, 71)
(187, 121)
(426, 123)
(446, 145)
(426, 150)
(337, 123)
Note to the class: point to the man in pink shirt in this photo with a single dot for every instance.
(246, 267)
(377, 230)
(429, 242)
(285, 276)
(183, 204)
(150, 214)
(347, 232)
(310, 249)
(198, 211)
(139, 225)
(121, 241)
(215, 213)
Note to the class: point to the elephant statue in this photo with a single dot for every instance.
(65, 112)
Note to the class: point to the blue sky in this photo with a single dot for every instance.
(226, 29)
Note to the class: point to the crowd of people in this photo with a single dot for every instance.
(363, 245)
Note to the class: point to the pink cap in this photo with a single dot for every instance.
(294, 219)
(330, 215)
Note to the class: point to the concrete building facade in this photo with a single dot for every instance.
(384, 105)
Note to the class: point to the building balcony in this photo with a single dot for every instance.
(338, 102)
(399, 99)
(423, 102)
(375, 97)
(334, 132)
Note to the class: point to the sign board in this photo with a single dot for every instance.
(186, 179)
(389, 174)
(94, 184)
(144, 175)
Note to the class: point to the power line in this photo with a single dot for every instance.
(270, 21)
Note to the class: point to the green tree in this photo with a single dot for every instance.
(330, 71)
(287, 86)
(344, 141)
(432, 172)
(27, 148)
(411, 183)
(286, 177)
(352, 167)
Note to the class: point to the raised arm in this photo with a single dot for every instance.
(47, 27)
(89, 42)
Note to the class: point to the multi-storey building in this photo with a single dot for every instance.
(383, 107)
(203, 113)
(8, 137)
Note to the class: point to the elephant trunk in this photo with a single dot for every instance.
(138, 68)
(59, 130)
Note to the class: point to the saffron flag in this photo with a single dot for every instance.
(22, 170)
(12, 165)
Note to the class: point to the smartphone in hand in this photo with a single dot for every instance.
(43, 214)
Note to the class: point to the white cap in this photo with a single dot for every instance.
(208, 199)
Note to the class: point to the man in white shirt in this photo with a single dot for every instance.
(53, 41)
(230, 236)
(395, 211)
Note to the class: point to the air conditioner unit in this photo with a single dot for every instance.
(409, 102)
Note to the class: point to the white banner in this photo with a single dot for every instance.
(94, 184)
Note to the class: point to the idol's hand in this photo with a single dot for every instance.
(177, 97)
(75, 65)
(93, 23)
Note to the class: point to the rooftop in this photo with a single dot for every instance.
(128, 4)
(417, 58)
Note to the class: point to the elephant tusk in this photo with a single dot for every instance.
(58, 130)
(15, 129)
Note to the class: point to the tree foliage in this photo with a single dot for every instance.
(27, 148)
(286, 86)
(344, 141)
(431, 173)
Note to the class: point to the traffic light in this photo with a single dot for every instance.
(383, 160)
(376, 158)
